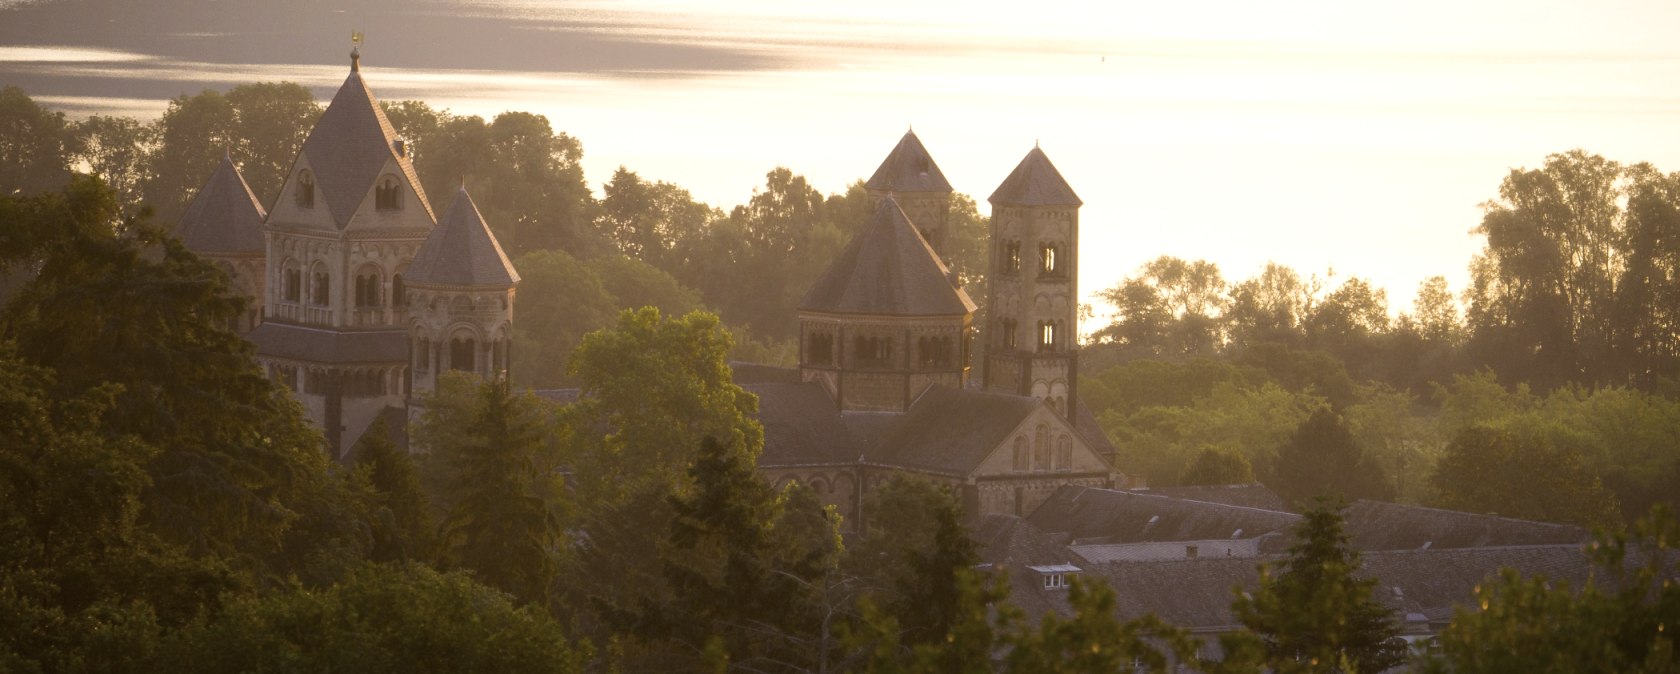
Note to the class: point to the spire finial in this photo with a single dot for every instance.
(355, 51)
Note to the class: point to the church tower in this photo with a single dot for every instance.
(350, 216)
(1033, 309)
(460, 299)
(910, 175)
(224, 224)
(885, 321)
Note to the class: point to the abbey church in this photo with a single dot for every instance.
(365, 293)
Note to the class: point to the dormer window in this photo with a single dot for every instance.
(305, 192)
(387, 195)
(1056, 576)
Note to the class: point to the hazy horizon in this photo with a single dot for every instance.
(1313, 134)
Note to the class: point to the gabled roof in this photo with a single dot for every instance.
(224, 217)
(348, 149)
(461, 251)
(951, 431)
(801, 426)
(1035, 182)
(1114, 516)
(1374, 525)
(887, 270)
(909, 168)
(1252, 495)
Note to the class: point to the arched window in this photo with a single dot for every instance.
(399, 294)
(1021, 458)
(1011, 257)
(1007, 328)
(305, 192)
(423, 354)
(1049, 260)
(387, 195)
(369, 287)
(1064, 452)
(291, 282)
(463, 351)
(320, 286)
(1048, 340)
(1041, 448)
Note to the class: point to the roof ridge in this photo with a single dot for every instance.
(1035, 182)
(888, 269)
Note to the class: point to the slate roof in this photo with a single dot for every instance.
(888, 269)
(1374, 525)
(1095, 515)
(348, 148)
(1088, 429)
(1035, 182)
(1252, 495)
(296, 342)
(801, 426)
(224, 217)
(908, 168)
(758, 373)
(461, 251)
(950, 431)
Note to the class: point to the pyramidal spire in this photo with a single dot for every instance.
(349, 147)
(1035, 182)
(461, 251)
(909, 168)
(225, 216)
(888, 269)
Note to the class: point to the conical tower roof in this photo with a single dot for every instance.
(1035, 182)
(887, 270)
(349, 147)
(908, 168)
(224, 217)
(461, 251)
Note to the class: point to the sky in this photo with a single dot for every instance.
(1342, 139)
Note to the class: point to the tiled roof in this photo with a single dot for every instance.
(1035, 182)
(296, 342)
(909, 168)
(349, 147)
(1095, 437)
(461, 251)
(887, 270)
(950, 431)
(801, 426)
(224, 217)
(1374, 525)
(1252, 495)
(1111, 516)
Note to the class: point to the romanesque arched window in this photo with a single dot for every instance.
(1007, 329)
(1064, 452)
(463, 353)
(1049, 260)
(1021, 454)
(423, 354)
(291, 282)
(387, 195)
(320, 285)
(370, 287)
(304, 195)
(1049, 337)
(399, 294)
(1041, 448)
(1011, 257)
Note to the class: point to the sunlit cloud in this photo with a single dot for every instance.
(66, 55)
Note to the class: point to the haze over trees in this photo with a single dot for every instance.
(165, 506)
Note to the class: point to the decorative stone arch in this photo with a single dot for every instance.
(370, 285)
(819, 486)
(1041, 389)
(320, 284)
(463, 344)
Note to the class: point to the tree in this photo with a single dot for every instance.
(402, 521)
(262, 126)
(912, 549)
(1490, 470)
(395, 618)
(651, 388)
(1216, 466)
(1270, 307)
(498, 524)
(36, 145)
(1323, 458)
(1313, 614)
(1170, 307)
(1094, 641)
(115, 149)
(1619, 622)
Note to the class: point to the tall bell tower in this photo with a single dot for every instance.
(1033, 308)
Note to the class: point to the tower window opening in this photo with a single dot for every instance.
(305, 192)
(387, 195)
(369, 290)
(462, 352)
(1007, 327)
(934, 351)
(320, 287)
(1047, 337)
(873, 351)
(821, 349)
(1049, 260)
(293, 286)
(1011, 257)
(399, 296)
